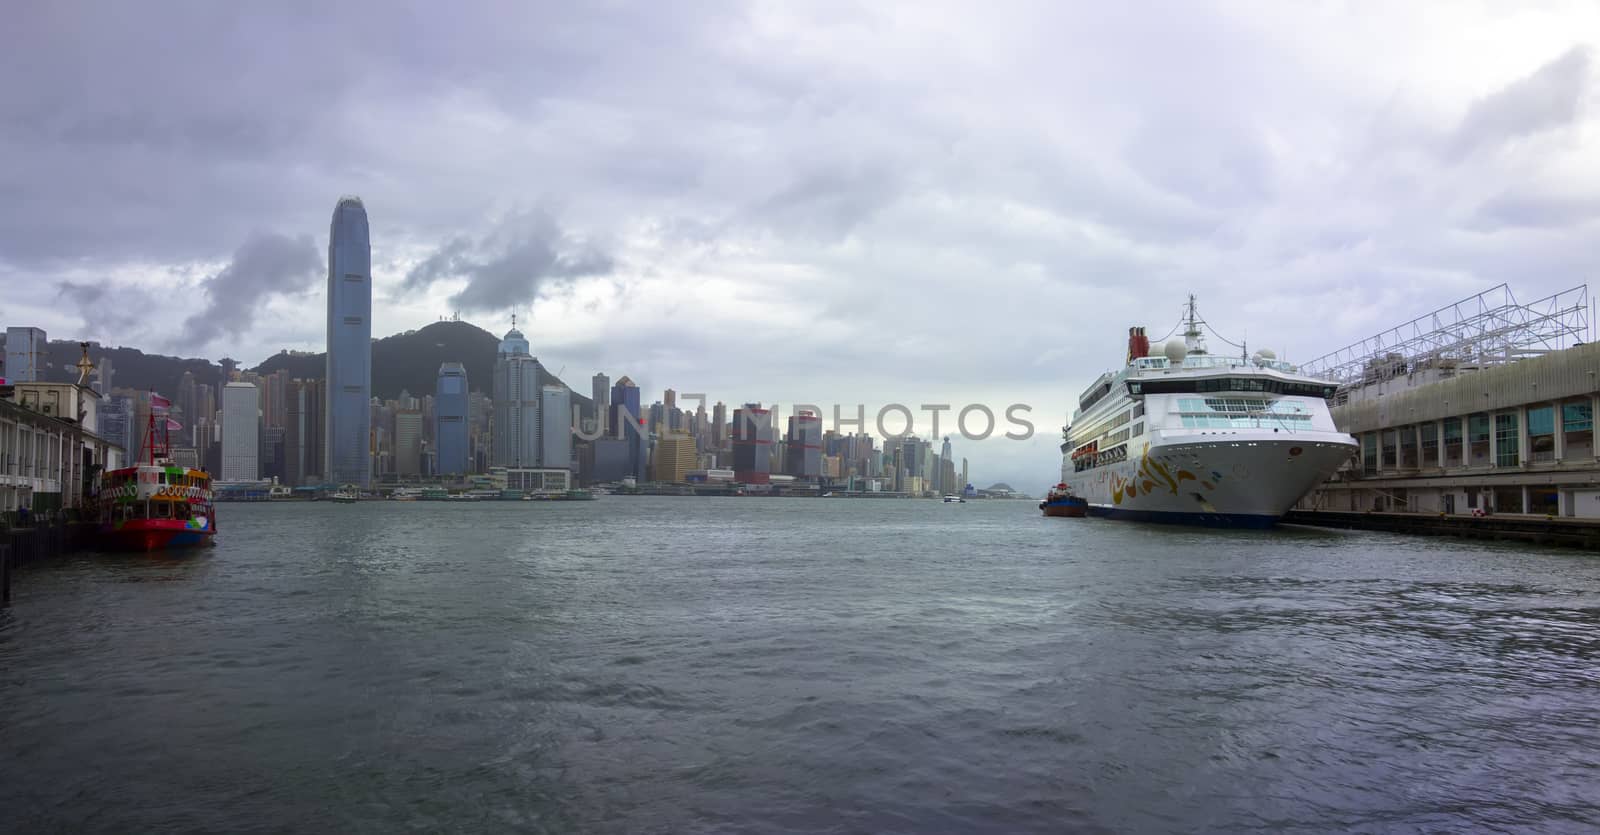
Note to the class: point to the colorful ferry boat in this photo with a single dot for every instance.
(154, 504)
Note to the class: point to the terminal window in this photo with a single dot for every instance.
(1505, 439)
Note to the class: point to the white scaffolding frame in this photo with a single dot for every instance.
(1490, 328)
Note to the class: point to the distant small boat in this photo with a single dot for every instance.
(1061, 502)
(345, 498)
(954, 500)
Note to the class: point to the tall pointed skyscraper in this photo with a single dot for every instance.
(349, 368)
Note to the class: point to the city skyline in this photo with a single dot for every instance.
(931, 231)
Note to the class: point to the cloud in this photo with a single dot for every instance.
(1549, 98)
(105, 306)
(849, 203)
(527, 253)
(264, 266)
(1534, 209)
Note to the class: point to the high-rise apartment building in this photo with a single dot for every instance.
(349, 362)
(241, 432)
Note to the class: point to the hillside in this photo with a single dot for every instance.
(408, 361)
(130, 367)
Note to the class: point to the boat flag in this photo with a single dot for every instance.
(159, 402)
(173, 426)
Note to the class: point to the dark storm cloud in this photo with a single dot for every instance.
(105, 306)
(1549, 98)
(526, 254)
(262, 267)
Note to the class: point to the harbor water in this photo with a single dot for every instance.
(798, 665)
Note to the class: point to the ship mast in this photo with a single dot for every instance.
(1191, 331)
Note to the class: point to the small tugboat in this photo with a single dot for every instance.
(954, 500)
(1061, 502)
(154, 504)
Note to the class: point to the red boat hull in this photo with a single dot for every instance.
(154, 535)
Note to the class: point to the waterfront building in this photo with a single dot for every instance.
(408, 443)
(752, 444)
(606, 460)
(43, 457)
(241, 432)
(1454, 416)
(349, 360)
(532, 480)
(516, 403)
(555, 427)
(675, 457)
(450, 421)
(803, 447)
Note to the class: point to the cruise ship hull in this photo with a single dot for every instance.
(1243, 481)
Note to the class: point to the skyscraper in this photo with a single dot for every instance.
(516, 403)
(752, 444)
(349, 363)
(241, 428)
(601, 394)
(804, 447)
(188, 399)
(26, 350)
(674, 458)
(555, 427)
(943, 477)
(304, 450)
(408, 442)
(450, 437)
(274, 399)
(719, 426)
(624, 424)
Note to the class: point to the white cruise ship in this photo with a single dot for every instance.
(1187, 436)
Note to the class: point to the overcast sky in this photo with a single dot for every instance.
(813, 202)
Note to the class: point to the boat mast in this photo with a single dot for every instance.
(1191, 331)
